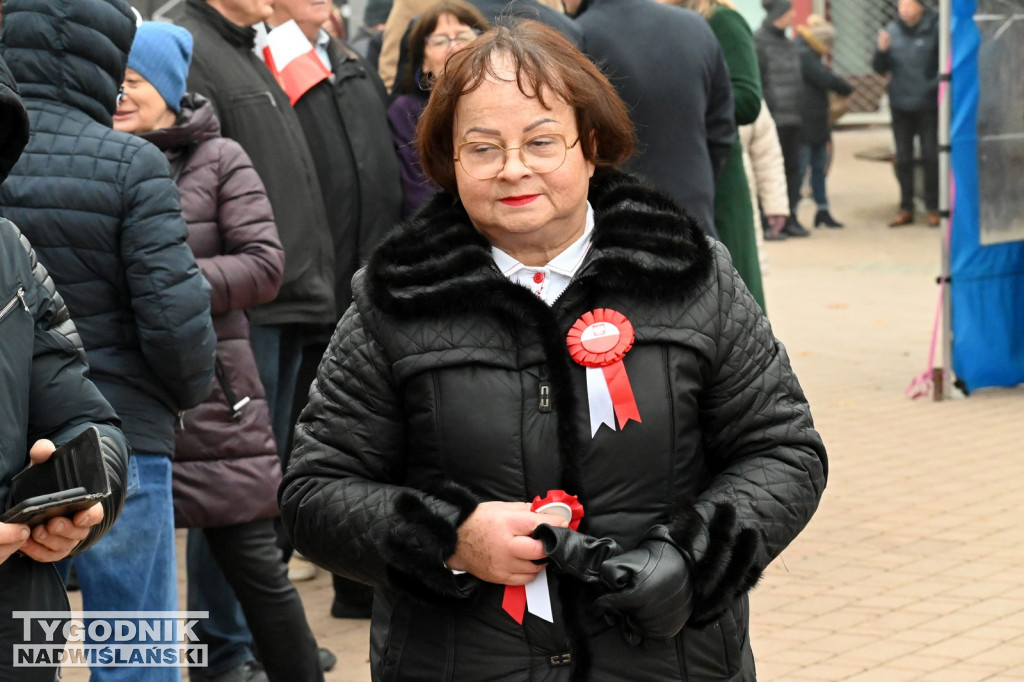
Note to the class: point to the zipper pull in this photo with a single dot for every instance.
(236, 409)
(545, 397)
(21, 297)
(181, 419)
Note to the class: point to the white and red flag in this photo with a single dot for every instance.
(291, 58)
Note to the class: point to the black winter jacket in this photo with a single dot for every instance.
(226, 468)
(913, 60)
(668, 67)
(818, 82)
(345, 121)
(103, 214)
(254, 111)
(46, 394)
(781, 81)
(431, 397)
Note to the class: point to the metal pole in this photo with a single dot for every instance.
(943, 389)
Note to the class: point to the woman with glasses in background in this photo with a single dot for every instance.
(444, 28)
(549, 329)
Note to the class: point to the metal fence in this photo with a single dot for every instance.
(857, 23)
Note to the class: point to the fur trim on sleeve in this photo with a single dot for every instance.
(422, 536)
(727, 567)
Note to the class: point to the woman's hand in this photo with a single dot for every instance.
(495, 544)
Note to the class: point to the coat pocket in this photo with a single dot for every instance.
(715, 652)
(420, 644)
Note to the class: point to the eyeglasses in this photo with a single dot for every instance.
(541, 154)
(460, 38)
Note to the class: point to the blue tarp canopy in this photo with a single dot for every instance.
(987, 280)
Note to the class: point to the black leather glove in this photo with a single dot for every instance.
(575, 554)
(650, 590)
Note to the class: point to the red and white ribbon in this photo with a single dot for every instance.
(598, 341)
(535, 596)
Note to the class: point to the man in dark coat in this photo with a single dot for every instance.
(908, 48)
(782, 84)
(47, 399)
(255, 111)
(345, 121)
(103, 213)
(669, 69)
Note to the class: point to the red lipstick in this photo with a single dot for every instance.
(521, 200)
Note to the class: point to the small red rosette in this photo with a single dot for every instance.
(535, 595)
(561, 503)
(599, 340)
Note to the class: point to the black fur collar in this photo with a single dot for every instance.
(643, 244)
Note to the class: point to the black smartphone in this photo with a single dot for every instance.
(72, 479)
(37, 510)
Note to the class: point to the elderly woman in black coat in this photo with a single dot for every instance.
(549, 330)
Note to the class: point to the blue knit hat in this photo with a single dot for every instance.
(161, 54)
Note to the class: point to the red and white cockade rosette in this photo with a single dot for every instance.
(598, 341)
(535, 596)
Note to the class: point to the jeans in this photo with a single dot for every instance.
(133, 567)
(925, 126)
(789, 141)
(252, 566)
(815, 156)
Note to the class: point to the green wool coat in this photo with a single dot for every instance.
(734, 214)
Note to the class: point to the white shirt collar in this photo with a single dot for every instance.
(323, 39)
(548, 281)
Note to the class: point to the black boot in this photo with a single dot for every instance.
(823, 217)
(793, 228)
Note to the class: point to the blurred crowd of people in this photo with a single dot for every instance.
(202, 194)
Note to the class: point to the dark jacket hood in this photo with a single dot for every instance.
(196, 123)
(69, 51)
(13, 122)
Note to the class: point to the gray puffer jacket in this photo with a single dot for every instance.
(913, 61)
(446, 384)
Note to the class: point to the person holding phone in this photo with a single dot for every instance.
(45, 398)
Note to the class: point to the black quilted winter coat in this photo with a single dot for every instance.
(103, 214)
(226, 468)
(431, 398)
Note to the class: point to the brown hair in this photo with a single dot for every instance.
(425, 25)
(545, 64)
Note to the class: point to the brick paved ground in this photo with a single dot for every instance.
(913, 568)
